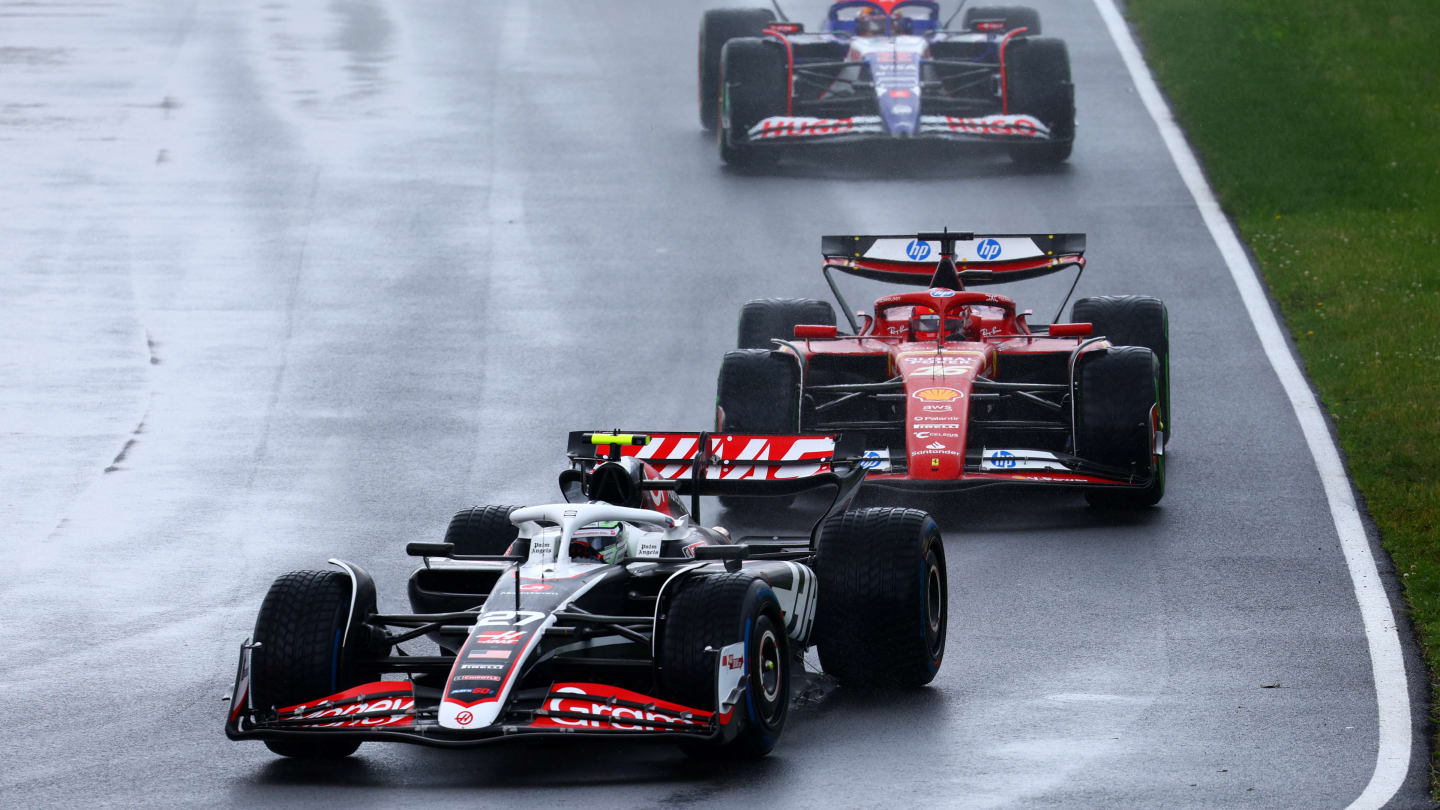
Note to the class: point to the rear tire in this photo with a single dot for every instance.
(768, 318)
(483, 530)
(1133, 320)
(884, 599)
(717, 27)
(301, 657)
(1115, 396)
(753, 87)
(758, 392)
(708, 612)
(1014, 17)
(1037, 83)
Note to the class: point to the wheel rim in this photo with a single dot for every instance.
(767, 663)
(934, 600)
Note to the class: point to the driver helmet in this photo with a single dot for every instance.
(600, 542)
(871, 23)
(901, 24)
(926, 325)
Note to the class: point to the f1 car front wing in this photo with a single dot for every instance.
(998, 127)
(391, 711)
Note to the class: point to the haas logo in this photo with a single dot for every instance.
(746, 456)
(733, 661)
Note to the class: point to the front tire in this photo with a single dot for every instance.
(758, 391)
(717, 27)
(707, 613)
(884, 598)
(1037, 83)
(753, 87)
(1133, 320)
(301, 656)
(1115, 405)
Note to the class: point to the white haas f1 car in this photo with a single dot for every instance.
(885, 69)
(615, 614)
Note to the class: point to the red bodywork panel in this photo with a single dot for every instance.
(596, 706)
(979, 330)
(369, 701)
(740, 457)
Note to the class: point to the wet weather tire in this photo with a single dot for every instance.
(883, 602)
(482, 530)
(1115, 395)
(1133, 320)
(758, 392)
(717, 27)
(707, 613)
(753, 87)
(1037, 83)
(1014, 17)
(769, 318)
(301, 657)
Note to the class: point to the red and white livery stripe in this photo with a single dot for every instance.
(1023, 126)
(403, 706)
(740, 457)
(596, 702)
(789, 126)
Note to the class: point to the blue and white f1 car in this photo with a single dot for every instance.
(886, 69)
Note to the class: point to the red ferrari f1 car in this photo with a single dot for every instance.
(950, 388)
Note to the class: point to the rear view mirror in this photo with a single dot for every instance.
(1071, 329)
(572, 486)
(821, 331)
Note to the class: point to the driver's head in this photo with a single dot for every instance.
(926, 325)
(957, 326)
(901, 24)
(871, 23)
(600, 542)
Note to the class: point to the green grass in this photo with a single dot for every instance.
(1318, 123)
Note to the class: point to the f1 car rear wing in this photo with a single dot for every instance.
(993, 258)
(951, 259)
(736, 464)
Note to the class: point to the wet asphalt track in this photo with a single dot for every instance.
(283, 280)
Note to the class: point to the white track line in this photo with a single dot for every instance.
(1391, 688)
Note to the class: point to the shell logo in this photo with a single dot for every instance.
(938, 394)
